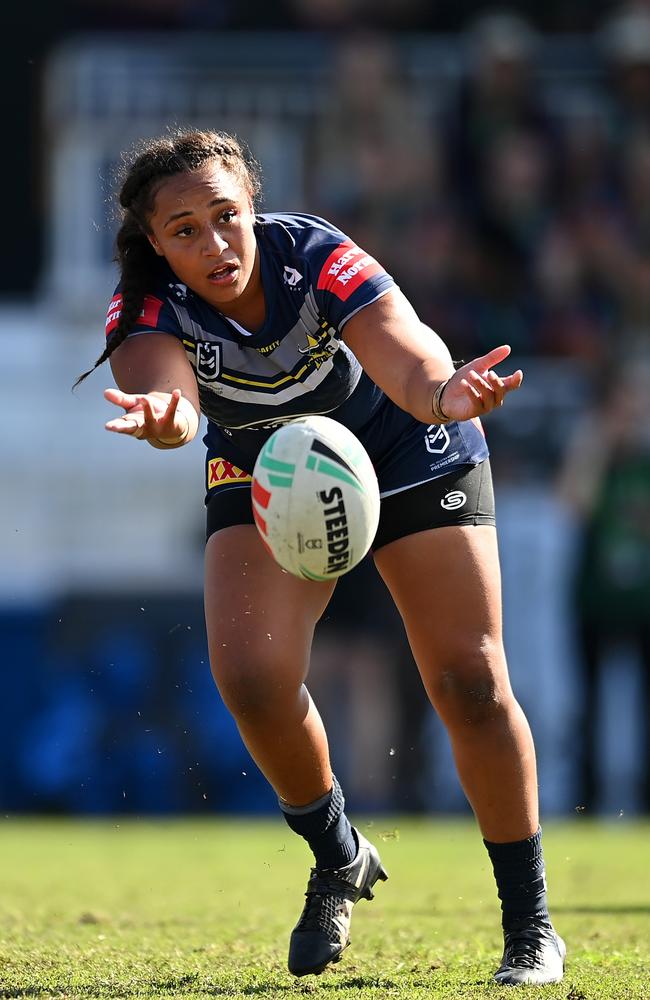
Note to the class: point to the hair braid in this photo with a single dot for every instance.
(137, 261)
(178, 153)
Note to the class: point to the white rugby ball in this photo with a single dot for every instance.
(315, 498)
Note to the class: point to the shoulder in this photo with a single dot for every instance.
(341, 276)
(327, 253)
(297, 232)
(153, 307)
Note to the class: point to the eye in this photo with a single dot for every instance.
(184, 231)
(228, 215)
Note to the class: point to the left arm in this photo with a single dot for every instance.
(409, 362)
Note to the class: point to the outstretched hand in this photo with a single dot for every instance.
(475, 389)
(149, 417)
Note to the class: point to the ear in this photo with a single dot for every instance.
(155, 244)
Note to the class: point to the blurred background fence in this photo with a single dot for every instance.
(500, 169)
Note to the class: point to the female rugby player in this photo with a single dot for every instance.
(254, 320)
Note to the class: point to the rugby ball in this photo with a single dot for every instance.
(315, 498)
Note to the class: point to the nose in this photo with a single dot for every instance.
(213, 242)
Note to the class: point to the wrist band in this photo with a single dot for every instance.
(179, 441)
(436, 408)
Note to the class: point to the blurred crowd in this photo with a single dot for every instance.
(504, 220)
(509, 214)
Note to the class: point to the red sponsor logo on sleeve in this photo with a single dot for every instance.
(346, 268)
(148, 317)
(113, 314)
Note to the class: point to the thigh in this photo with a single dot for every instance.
(446, 584)
(463, 496)
(259, 618)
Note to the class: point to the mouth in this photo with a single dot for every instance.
(224, 274)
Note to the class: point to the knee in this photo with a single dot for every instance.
(252, 687)
(472, 687)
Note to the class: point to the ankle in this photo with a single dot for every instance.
(325, 827)
(521, 880)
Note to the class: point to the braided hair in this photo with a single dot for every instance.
(178, 153)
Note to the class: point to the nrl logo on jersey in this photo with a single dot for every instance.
(292, 277)
(208, 361)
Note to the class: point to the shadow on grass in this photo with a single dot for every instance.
(190, 984)
(357, 983)
(165, 987)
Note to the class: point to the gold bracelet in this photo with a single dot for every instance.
(181, 440)
(439, 414)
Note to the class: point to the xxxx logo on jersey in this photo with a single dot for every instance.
(220, 472)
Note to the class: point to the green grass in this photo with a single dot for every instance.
(199, 909)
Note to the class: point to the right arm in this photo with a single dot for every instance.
(157, 389)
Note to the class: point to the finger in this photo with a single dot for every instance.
(169, 417)
(125, 399)
(481, 384)
(473, 393)
(151, 422)
(173, 403)
(125, 425)
(483, 396)
(513, 381)
(168, 422)
(498, 387)
(492, 358)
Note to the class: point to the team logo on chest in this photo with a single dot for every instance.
(208, 360)
(320, 345)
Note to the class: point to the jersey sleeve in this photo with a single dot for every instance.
(347, 279)
(157, 316)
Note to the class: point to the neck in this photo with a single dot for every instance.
(249, 309)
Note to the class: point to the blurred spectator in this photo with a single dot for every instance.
(500, 144)
(578, 310)
(605, 481)
(509, 225)
(611, 243)
(587, 153)
(497, 98)
(577, 315)
(625, 40)
(371, 164)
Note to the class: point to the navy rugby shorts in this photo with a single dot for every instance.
(416, 493)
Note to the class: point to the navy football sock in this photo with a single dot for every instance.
(325, 827)
(520, 877)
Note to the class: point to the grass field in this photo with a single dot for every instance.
(204, 909)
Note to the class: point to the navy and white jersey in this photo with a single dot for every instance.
(315, 279)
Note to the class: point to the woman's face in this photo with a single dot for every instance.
(202, 223)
